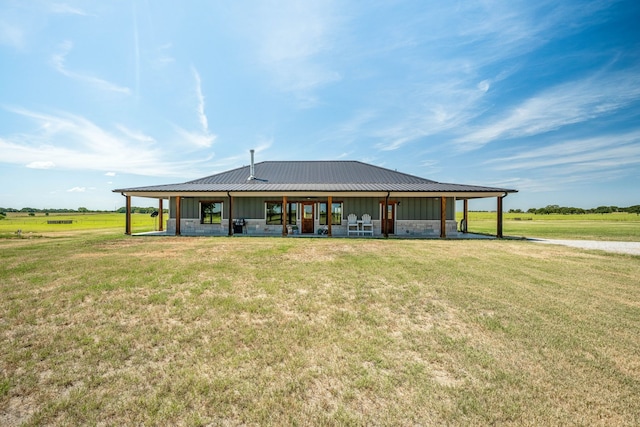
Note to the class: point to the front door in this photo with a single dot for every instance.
(391, 217)
(307, 218)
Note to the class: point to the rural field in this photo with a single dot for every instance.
(98, 328)
(619, 226)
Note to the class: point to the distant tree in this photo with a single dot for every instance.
(634, 209)
(83, 210)
(603, 209)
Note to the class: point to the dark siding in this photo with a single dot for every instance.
(361, 206)
(249, 207)
(423, 208)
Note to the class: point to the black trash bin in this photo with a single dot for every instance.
(238, 226)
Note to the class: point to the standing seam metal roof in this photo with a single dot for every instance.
(314, 176)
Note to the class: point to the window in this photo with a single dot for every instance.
(336, 213)
(274, 213)
(211, 213)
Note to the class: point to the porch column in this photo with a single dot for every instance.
(385, 217)
(127, 227)
(443, 217)
(499, 218)
(329, 215)
(178, 215)
(284, 216)
(230, 225)
(160, 217)
(465, 216)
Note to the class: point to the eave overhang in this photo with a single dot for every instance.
(315, 194)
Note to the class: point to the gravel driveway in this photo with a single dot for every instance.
(632, 248)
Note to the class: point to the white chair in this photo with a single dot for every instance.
(352, 225)
(367, 226)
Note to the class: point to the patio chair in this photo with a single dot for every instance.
(352, 225)
(367, 226)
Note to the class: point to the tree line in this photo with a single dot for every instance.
(564, 210)
(134, 209)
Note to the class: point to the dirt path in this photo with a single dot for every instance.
(632, 248)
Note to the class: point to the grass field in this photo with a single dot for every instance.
(100, 328)
(38, 224)
(614, 226)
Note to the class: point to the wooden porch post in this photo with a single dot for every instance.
(329, 214)
(178, 216)
(284, 216)
(160, 217)
(385, 217)
(230, 232)
(443, 217)
(465, 216)
(127, 227)
(499, 218)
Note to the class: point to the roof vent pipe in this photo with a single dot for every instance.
(252, 174)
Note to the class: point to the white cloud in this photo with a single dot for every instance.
(77, 190)
(59, 63)
(562, 164)
(110, 174)
(202, 138)
(197, 139)
(559, 106)
(64, 8)
(40, 164)
(291, 39)
(604, 151)
(135, 135)
(202, 117)
(72, 142)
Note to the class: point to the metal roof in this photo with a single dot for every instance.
(310, 176)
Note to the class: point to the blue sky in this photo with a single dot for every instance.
(540, 96)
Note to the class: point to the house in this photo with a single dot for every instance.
(314, 197)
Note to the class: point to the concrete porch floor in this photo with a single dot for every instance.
(450, 236)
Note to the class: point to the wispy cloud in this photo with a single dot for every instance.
(606, 157)
(291, 39)
(64, 8)
(59, 63)
(604, 151)
(562, 105)
(77, 190)
(40, 164)
(71, 142)
(202, 117)
(201, 138)
(135, 135)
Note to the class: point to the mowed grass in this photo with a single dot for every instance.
(117, 330)
(38, 226)
(614, 226)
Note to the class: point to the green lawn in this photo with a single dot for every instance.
(615, 226)
(30, 225)
(115, 330)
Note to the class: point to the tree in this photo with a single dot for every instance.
(634, 209)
